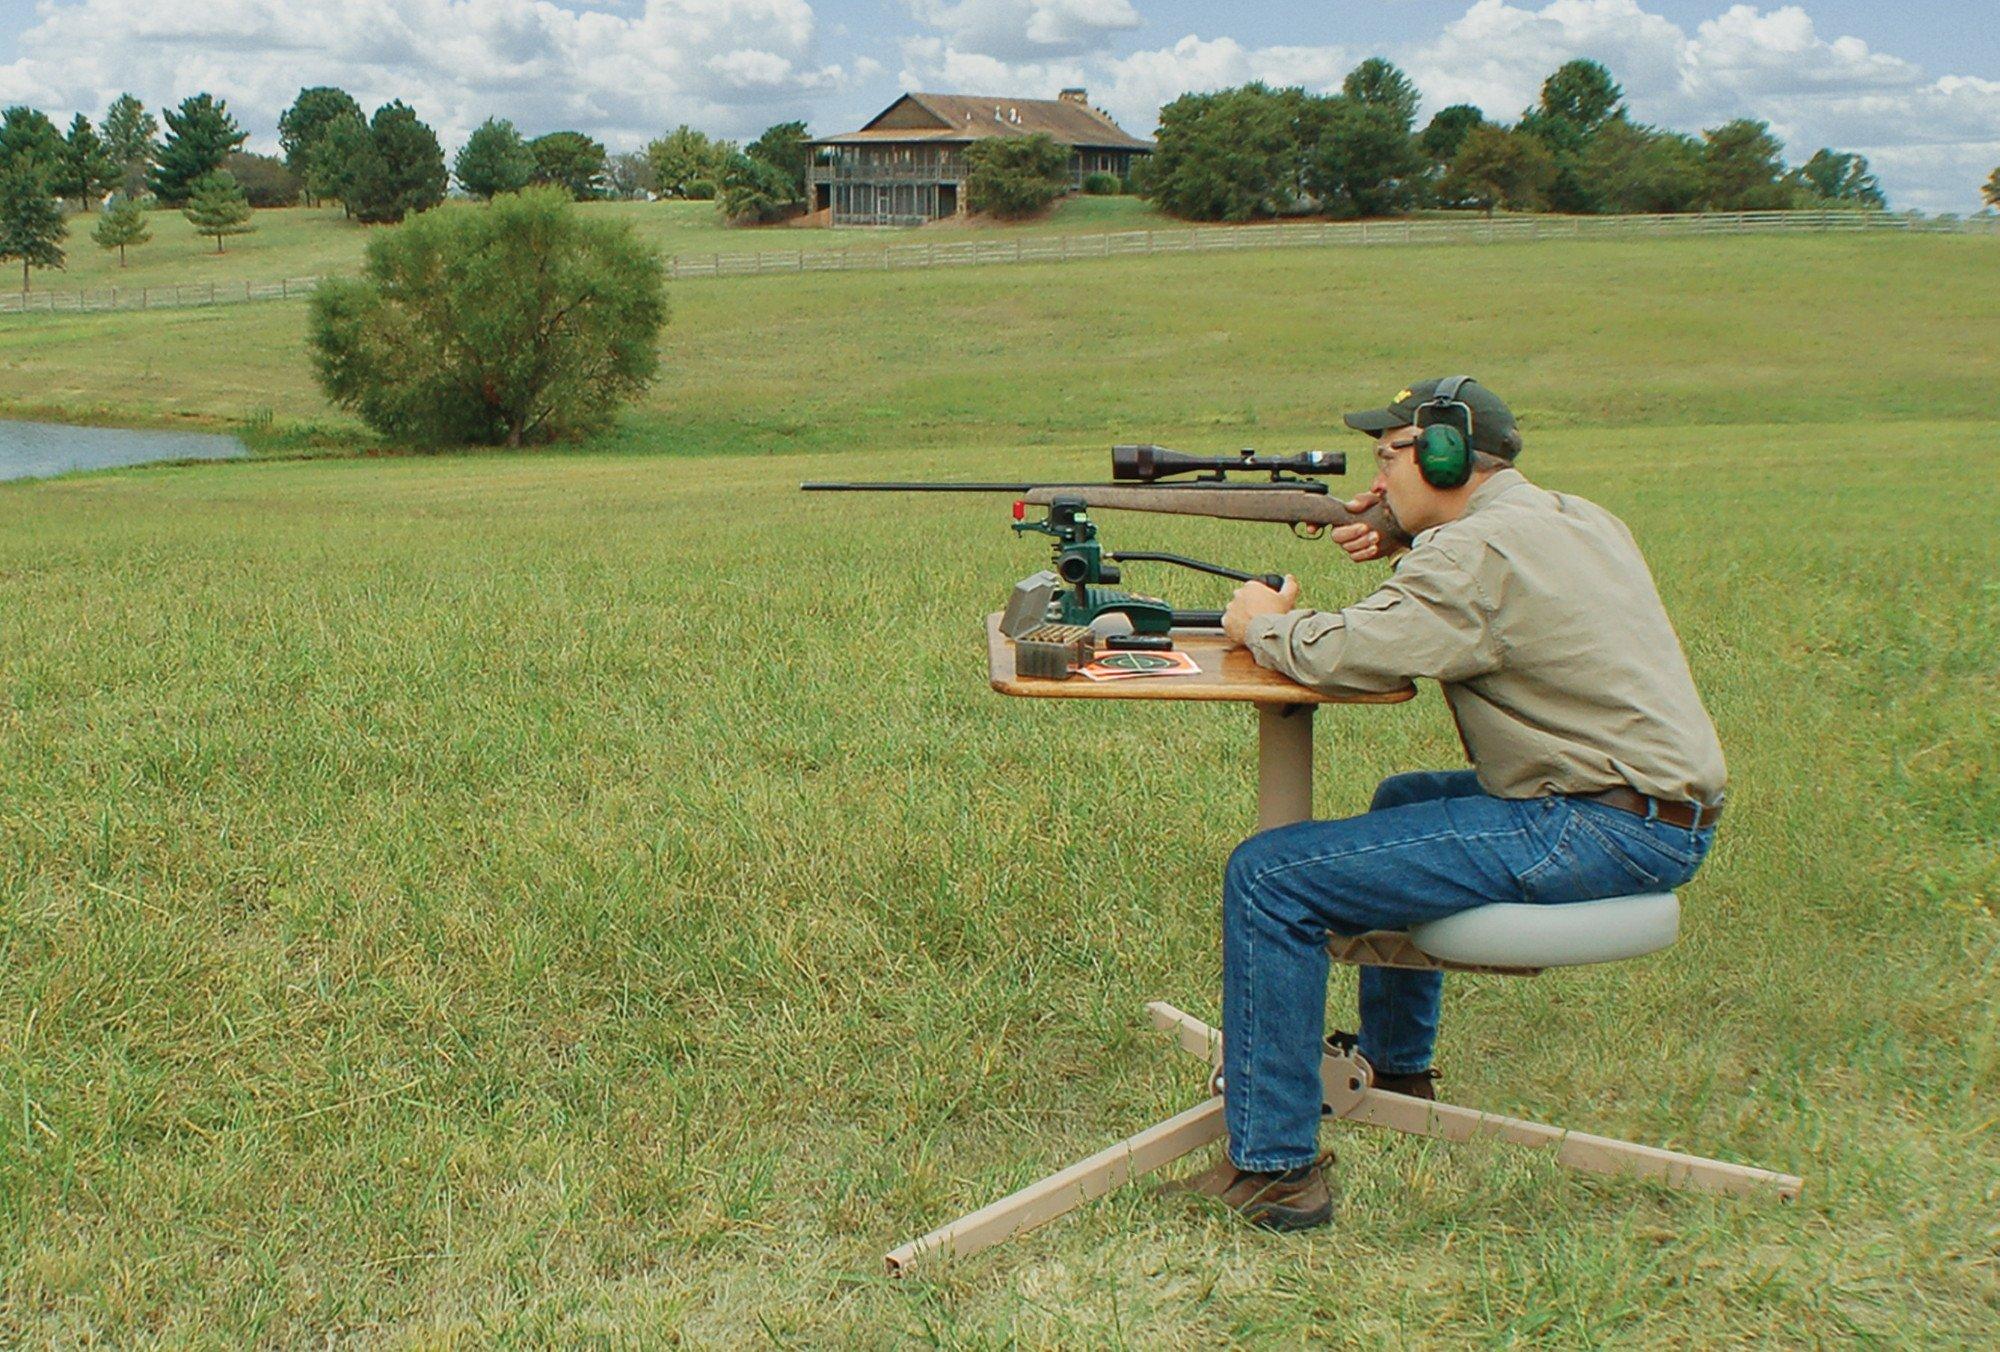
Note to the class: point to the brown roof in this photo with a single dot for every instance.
(973, 117)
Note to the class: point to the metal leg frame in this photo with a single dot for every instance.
(1349, 1094)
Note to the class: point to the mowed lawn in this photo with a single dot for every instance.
(592, 896)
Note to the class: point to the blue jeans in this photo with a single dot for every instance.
(1431, 844)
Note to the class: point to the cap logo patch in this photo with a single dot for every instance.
(1401, 395)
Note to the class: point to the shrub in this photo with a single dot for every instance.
(515, 322)
(1013, 176)
(755, 192)
(1102, 185)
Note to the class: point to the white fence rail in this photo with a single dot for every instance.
(935, 253)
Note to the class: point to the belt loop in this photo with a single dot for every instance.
(1652, 808)
(1695, 825)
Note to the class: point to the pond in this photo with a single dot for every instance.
(30, 450)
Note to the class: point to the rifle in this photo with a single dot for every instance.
(1295, 493)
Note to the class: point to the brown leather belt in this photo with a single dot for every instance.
(1685, 815)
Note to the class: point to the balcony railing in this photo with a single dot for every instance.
(841, 171)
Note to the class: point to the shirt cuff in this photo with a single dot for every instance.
(1269, 639)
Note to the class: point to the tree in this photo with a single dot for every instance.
(1743, 168)
(1230, 155)
(1377, 83)
(629, 174)
(87, 172)
(1498, 167)
(301, 126)
(1446, 132)
(516, 322)
(785, 146)
(124, 223)
(493, 160)
(1014, 176)
(1990, 194)
(687, 164)
(265, 179)
(1362, 160)
(27, 134)
(31, 219)
(1635, 168)
(334, 163)
(129, 134)
(216, 206)
(571, 161)
(402, 169)
(1844, 180)
(1577, 101)
(755, 192)
(200, 133)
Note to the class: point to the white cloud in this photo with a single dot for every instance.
(729, 66)
(1932, 141)
(1018, 30)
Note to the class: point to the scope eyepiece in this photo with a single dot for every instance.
(1148, 463)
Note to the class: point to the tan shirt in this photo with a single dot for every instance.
(1539, 618)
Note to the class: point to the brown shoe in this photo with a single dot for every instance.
(1265, 1200)
(1418, 1084)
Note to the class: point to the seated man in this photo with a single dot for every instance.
(1596, 772)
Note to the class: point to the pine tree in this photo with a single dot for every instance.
(87, 172)
(216, 206)
(301, 127)
(31, 219)
(199, 133)
(124, 223)
(131, 135)
(404, 171)
(494, 160)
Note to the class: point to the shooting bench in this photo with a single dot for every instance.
(1506, 940)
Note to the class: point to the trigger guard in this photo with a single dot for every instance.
(1315, 531)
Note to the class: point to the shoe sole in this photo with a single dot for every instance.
(1288, 1219)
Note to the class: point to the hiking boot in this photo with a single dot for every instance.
(1297, 1200)
(1416, 1084)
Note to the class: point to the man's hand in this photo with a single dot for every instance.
(1253, 599)
(1362, 542)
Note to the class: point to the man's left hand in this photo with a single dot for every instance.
(1253, 599)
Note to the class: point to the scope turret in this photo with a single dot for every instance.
(1145, 464)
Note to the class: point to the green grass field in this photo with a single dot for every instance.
(592, 896)
(317, 241)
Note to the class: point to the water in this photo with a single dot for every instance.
(30, 450)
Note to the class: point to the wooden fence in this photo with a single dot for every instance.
(942, 253)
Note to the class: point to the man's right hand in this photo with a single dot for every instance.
(1362, 542)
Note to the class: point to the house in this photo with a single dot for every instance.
(907, 166)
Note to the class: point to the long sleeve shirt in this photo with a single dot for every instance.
(1536, 614)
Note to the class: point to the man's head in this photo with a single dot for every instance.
(1436, 443)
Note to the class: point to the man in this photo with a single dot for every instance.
(1596, 772)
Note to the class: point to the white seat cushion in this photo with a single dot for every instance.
(1515, 935)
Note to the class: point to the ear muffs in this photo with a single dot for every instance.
(1444, 445)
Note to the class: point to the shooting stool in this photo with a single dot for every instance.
(1505, 940)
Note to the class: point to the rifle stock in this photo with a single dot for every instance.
(1285, 506)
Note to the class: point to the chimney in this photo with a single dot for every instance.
(1075, 96)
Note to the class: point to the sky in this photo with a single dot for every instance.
(1914, 86)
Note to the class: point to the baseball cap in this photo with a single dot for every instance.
(1493, 428)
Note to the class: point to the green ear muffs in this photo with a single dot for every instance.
(1443, 458)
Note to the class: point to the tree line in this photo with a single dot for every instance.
(1256, 151)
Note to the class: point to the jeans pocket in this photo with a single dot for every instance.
(1554, 868)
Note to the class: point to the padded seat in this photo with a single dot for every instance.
(1510, 934)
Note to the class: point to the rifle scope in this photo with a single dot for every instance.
(1148, 463)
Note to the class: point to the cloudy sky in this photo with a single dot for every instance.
(1915, 86)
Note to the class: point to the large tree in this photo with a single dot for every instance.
(1378, 83)
(754, 191)
(87, 173)
(340, 151)
(516, 323)
(1636, 168)
(1577, 100)
(629, 174)
(1014, 176)
(1499, 167)
(571, 161)
(301, 126)
(1363, 160)
(1842, 179)
(400, 171)
(200, 134)
(216, 206)
(493, 160)
(785, 146)
(1990, 194)
(1743, 168)
(1231, 155)
(131, 134)
(1446, 131)
(31, 219)
(27, 134)
(122, 225)
(686, 163)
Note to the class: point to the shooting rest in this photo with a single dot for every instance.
(1508, 940)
